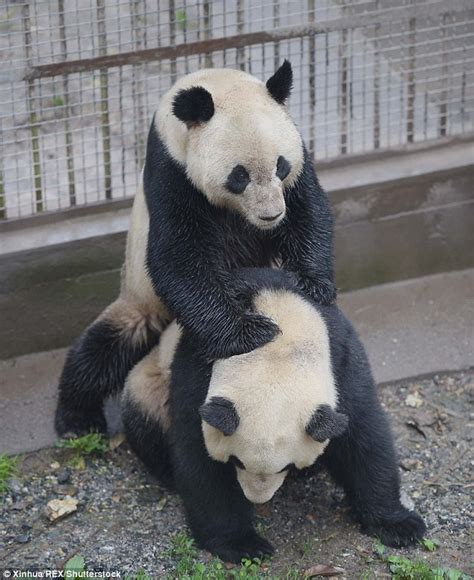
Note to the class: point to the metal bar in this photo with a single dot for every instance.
(238, 41)
(32, 115)
(67, 129)
(411, 87)
(104, 101)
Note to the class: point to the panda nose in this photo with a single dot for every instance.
(270, 218)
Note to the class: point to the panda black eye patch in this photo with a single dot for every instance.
(283, 168)
(236, 461)
(238, 179)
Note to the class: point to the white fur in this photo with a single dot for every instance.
(248, 128)
(147, 384)
(275, 390)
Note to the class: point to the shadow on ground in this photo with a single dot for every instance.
(125, 521)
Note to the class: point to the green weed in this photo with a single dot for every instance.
(7, 469)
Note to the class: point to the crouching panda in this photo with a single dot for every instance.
(225, 435)
(227, 184)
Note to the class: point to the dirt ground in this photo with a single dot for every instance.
(124, 521)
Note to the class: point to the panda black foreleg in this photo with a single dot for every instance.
(220, 517)
(363, 461)
(96, 367)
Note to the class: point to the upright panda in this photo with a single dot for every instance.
(227, 183)
(225, 435)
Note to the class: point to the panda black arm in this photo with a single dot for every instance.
(204, 297)
(304, 242)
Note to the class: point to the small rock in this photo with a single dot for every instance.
(406, 500)
(57, 509)
(64, 476)
(23, 538)
(413, 400)
(55, 465)
(14, 485)
(66, 490)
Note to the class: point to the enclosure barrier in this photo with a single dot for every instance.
(80, 80)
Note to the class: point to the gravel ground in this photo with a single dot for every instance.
(125, 521)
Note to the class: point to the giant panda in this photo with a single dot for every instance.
(227, 183)
(224, 435)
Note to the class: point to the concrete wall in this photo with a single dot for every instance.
(391, 230)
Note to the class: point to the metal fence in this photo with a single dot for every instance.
(80, 79)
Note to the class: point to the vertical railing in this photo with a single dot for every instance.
(276, 24)
(376, 132)
(172, 25)
(207, 10)
(138, 26)
(32, 115)
(443, 105)
(344, 101)
(104, 100)
(312, 77)
(67, 109)
(240, 30)
(411, 86)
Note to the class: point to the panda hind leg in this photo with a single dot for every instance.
(146, 418)
(97, 364)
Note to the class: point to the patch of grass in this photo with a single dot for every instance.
(74, 567)
(90, 444)
(429, 545)
(402, 568)
(181, 19)
(7, 469)
(188, 567)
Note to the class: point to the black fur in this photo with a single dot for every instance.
(326, 424)
(280, 84)
(149, 441)
(362, 458)
(96, 367)
(193, 247)
(193, 106)
(220, 413)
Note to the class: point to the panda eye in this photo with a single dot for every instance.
(238, 179)
(236, 461)
(283, 168)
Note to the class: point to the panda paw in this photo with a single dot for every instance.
(402, 529)
(253, 330)
(321, 290)
(76, 423)
(234, 547)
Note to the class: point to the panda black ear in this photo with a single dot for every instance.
(326, 424)
(193, 106)
(280, 84)
(221, 414)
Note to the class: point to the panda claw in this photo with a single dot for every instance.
(232, 548)
(398, 532)
(70, 424)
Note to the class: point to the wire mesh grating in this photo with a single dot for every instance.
(82, 78)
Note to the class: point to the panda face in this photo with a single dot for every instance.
(262, 447)
(274, 406)
(236, 141)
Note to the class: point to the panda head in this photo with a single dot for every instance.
(236, 140)
(263, 445)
